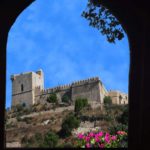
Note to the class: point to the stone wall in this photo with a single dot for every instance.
(90, 89)
(118, 97)
(38, 79)
(28, 88)
(103, 92)
(25, 98)
(22, 89)
(24, 85)
(42, 96)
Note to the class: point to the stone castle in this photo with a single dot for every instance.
(28, 89)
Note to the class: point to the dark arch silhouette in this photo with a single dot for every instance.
(134, 17)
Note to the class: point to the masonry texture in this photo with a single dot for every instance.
(28, 89)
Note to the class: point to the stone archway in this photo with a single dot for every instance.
(134, 18)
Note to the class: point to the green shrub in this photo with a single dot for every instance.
(8, 125)
(65, 99)
(18, 108)
(52, 98)
(69, 123)
(38, 139)
(50, 140)
(80, 103)
(118, 127)
(123, 118)
(18, 118)
(107, 100)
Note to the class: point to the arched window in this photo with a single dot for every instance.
(22, 88)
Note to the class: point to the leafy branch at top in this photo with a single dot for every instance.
(101, 18)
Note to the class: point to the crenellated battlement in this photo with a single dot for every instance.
(55, 89)
(34, 92)
(89, 80)
(68, 86)
(37, 87)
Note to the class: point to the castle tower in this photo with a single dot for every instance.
(24, 85)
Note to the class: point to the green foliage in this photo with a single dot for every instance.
(18, 118)
(65, 99)
(18, 108)
(102, 140)
(69, 123)
(50, 140)
(119, 127)
(123, 118)
(52, 98)
(9, 125)
(38, 137)
(102, 19)
(80, 103)
(107, 100)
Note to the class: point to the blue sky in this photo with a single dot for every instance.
(52, 35)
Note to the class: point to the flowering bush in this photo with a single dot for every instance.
(102, 140)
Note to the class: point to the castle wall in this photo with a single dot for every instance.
(24, 85)
(23, 98)
(118, 97)
(22, 89)
(38, 79)
(28, 88)
(41, 96)
(103, 92)
(89, 89)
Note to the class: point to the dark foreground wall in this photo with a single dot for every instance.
(135, 18)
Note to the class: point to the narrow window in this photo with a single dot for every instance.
(120, 99)
(24, 104)
(22, 88)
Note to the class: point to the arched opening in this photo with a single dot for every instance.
(137, 26)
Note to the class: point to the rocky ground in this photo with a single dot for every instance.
(26, 125)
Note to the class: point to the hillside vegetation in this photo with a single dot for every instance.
(52, 125)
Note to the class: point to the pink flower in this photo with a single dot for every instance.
(91, 134)
(114, 138)
(88, 145)
(101, 145)
(121, 133)
(107, 138)
(107, 134)
(87, 138)
(100, 133)
(97, 139)
(80, 136)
